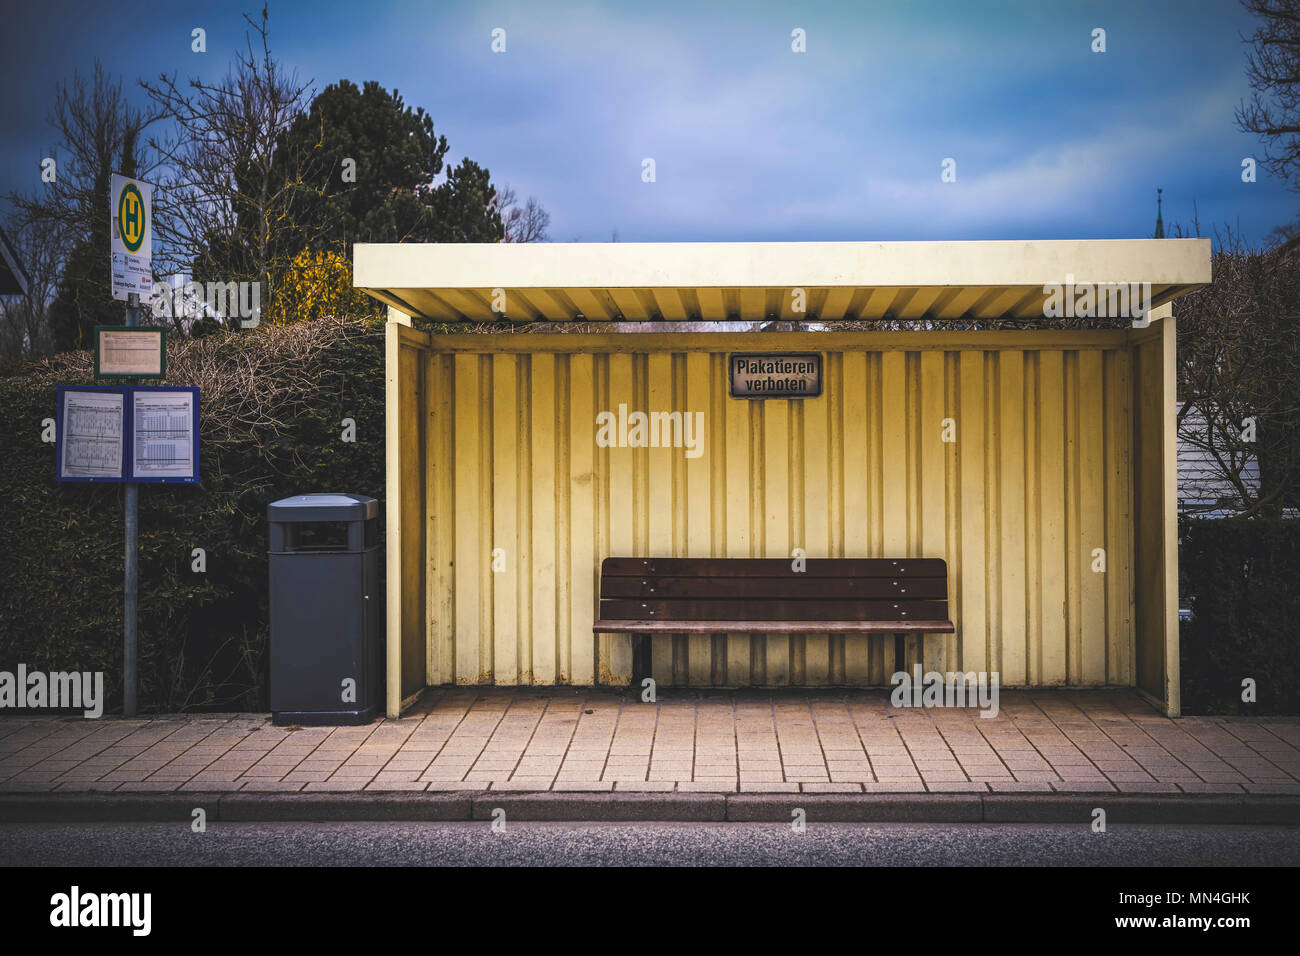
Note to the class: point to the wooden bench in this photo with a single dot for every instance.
(647, 596)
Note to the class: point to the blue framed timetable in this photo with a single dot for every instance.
(127, 433)
(89, 433)
(164, 428)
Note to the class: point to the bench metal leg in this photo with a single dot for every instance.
(640, 659)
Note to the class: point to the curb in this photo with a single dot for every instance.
(336, 807)
(856, 808)
(604, 807)
(644, 807)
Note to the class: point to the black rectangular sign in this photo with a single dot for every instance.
(776, 375)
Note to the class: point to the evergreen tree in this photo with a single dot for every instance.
(367, 165)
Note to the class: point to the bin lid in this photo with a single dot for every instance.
(326, 507)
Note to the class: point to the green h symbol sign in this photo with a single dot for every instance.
(130, 218)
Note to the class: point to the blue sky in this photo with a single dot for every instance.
(752, 141)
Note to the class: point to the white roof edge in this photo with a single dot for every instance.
(778, 264)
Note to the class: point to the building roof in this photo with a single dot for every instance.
(753, 280)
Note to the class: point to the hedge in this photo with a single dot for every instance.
(1241, 579)
(272, 404)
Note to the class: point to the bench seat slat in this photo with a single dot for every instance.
(772, 627)
(775, 567)
(724, 609)
(791, 587)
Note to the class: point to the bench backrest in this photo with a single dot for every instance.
(768, 589)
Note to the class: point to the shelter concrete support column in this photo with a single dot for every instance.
(404, 503)
(1155, 510)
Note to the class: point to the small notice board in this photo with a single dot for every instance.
(130, 351)
(135, 433)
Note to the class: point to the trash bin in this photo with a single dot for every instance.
(326, 645)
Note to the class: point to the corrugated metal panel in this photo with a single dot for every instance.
(1038, 477)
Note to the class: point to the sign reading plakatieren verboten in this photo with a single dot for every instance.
(776, 375)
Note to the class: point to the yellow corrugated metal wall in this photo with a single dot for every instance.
(1038, 477)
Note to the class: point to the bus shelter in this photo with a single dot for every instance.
(977, 423)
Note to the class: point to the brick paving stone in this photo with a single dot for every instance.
(1083, 786)
(352, 784)
(1021, 786)
(523, 783)
(895, 786)
(273, 773)
(272, 786)
(355, 772)
(645, 785)
(1145, 786)
(99, 785)
(418, 764)
(213, 785)
(1272, 787)
(1197, 787)
(306, 776)
(150, 786)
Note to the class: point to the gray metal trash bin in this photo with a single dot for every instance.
(326, 642)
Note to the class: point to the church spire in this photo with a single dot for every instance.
(1160, 223)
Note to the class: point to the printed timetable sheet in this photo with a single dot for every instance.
(163, 436)
(92, 434)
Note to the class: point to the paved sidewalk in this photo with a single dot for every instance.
(596, 740)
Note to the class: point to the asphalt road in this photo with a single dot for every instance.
(664, 844)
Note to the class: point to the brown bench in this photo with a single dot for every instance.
(647, 596)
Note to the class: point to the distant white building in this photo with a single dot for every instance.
(13, 280)
(1203, 488)
(178, 299)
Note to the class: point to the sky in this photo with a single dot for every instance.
(750, 139)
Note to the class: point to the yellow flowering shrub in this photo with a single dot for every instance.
(317, 285)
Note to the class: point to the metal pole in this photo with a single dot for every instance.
(130, 593)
